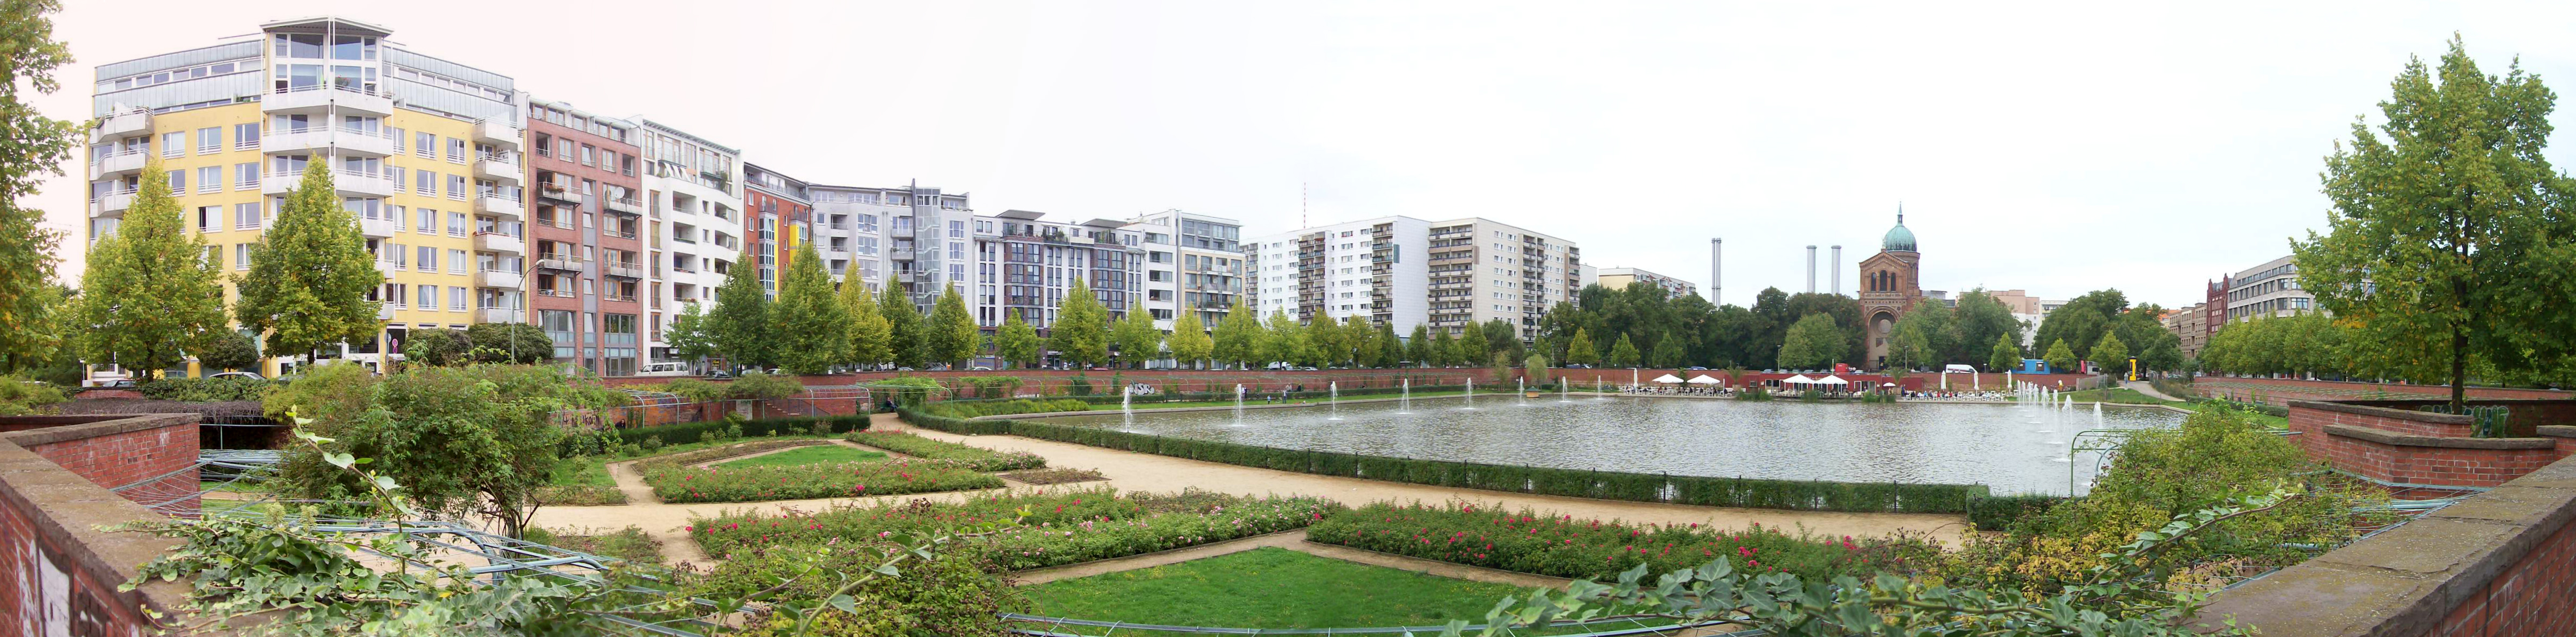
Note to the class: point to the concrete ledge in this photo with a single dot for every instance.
(2411, 440)
(2557, 431)
(2383, 412)
(78, 427)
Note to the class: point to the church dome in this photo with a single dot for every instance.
(1898, 238)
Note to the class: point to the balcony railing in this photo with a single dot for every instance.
(561, 294)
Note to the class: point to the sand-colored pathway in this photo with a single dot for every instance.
(1132, 471)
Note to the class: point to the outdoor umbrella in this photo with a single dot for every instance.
(1832, 380)
(1800, 379)
(1703, 379)
(1668, 378)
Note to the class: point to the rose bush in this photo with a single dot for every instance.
(1562, 546)
(1061, 527)
(906, 443)
(680, 483)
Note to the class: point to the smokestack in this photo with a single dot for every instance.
(1716, 282)
(1811, 269)
(1838, 269)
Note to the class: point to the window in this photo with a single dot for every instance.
(210, 218)
(398, 137)
(245, 215)
(455, 150)
(428, 297)
(398, 215)
(210, 179)
(428, 258)
(210, 140)
(455, 299)
(586, 153)
(241, 255)
(456, 187)
(456, 262)
(246, 176)
(424, 145)
(174, 144)
(424, 183)
(456, 224)
(428, 221)
(246, 136)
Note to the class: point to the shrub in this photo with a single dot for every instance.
(694, 390)
(1062, 527)
(976, 408)
(694, 432)
(1561, 546)
(21, 396)
(916, 446)
(951, 594)
(674, 481)
(1998, 513)
(756, 386)
(206, 390)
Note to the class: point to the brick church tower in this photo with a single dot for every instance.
(1890, 284)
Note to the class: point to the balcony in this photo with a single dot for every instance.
(498, 166)
(379, 228)
(499, 203)
(347, 182)
(121, 162)
(122, 125)
(379, 143)
(313, 98)
(615, 297)
(557, 192)
(113, 204)
(627, 205)
(560, 294)
(498, 279)
(498, 131)
(500, 315)
(901, 254)
(563, 262)
(497, 242)
(629, 270)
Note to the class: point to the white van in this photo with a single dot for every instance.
(664, 369)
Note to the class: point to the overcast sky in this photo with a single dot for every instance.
(2052, 147)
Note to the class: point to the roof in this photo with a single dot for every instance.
(1898, 238)
(318, 21)
(1024, 215)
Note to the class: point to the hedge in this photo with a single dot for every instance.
(690, 432)
(1998, 513)
(1799, 495)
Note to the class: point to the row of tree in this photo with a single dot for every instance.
(813, 326)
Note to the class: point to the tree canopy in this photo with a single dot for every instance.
(812, 326)
(310, 275)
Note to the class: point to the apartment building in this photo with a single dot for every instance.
(2191, 326)
(1025, 264)
(589, 280)
(1619, 278)
(2270, 289)
(778, 217)
(1375, 268)
(1483, 270)
(423, 151)
(1193, 263)
(872, 235)
(693, 222)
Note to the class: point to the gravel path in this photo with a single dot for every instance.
(2147, 388)
(1145, 472)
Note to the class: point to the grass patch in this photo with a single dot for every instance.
(1270, 587)
(628, 544)
(817, 454)
(906, 443)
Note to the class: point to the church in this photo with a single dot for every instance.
(1890, 285)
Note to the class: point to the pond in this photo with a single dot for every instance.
(2013, 448)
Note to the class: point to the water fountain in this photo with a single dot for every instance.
(1238, 404)
(1561, 384)
(1471, 393)
(1334, 399)
(1524, 391)
(2097, 414)
(1404, 401)
(1599, 392)
(1126, 410)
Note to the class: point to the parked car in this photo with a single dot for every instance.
(237, 375)
(981, 368)
(1696, 368)
(718, 374)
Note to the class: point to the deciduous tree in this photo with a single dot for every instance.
(1624, 354)
(1238, 336)
(157, 299)
(1017, 342)
(2061, 359)
(1285, 341)
(953, 335)
(1190, 342)
(741, 325)
(229, 350)
(1136, 338)
(871, 340)
(519, 343)
(1081, 330)
(36, 146)
(310, 275)
(1418, 348)
(1580, 350)
(1814, 342)
(688, 335)
(2004, 355)
(907, 343)
(2111, 354)
(813, 328)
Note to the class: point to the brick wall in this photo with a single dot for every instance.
(59, 573)
(2399, 445)
(2498, 564)
(2282, 390)
(1193, 380)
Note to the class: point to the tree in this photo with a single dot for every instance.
(1017, 342)
(1081, 330)
(1238, 336)
(156, 299)
(2004, 355)
(953, 337)
(509, 343)
(1623, 354)
(1361, 341)
(1325, 345)
(871, 336)
(1472, 348)
(2163, 356)
(1667, 354)
(1418, 348)
(1909, 349)
(1535, 368)
(464, 440)
(1814, 342)
(1390, 350)
(1136, 338)
(439, 348)
(1580, 350)
(906, 344)
(1443, 350)
(741, 325)
(310, 275)
(36, 146)
(2060, 357)
(1502, 337)
(229, 350)
(2448, 235)
(812, 326)
(2082, 321)
(2111, 354)
(687, 335)
(1284, 341)
(1190, 342)
(1981, 320)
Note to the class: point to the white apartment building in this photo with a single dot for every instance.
(1193, 263)
(1377, 268)
(2268, 290)
(911, 236)
(1483, 270)
(1619, 278)
(693, 225)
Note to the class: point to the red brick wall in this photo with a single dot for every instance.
(2281, 390)
(2528, 598)
(58, 572)
(2407, 464)
(38, 574)
(123, 458)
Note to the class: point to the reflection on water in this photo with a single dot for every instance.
(1999, 445)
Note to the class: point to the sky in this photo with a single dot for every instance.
(2057, 148)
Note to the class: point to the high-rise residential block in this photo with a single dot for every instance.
(1026, 265)
(1193, 263)
(1402, 272)
(779, 217)
(589, 283)
(423, 151)
(693, 221)
(1619, 278)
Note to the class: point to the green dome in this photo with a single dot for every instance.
(1898, 238)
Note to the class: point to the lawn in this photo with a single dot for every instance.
(1270, 587)
(628, 544)
(817, 454)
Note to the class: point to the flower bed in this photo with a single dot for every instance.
(1062, 527)
(916, 446)
(1561, 546)
(675, 481)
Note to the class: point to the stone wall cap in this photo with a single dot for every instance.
(2383, 412)
(94, 427)
(2411, 440)
(2557, 431)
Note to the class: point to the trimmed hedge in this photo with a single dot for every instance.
(691, 432)
(1799, 495)
(1999, 513)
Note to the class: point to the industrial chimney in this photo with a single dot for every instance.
(1838, 270)
(1811, 269)
(1716, 283)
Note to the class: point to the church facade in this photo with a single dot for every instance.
(1890, 284)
